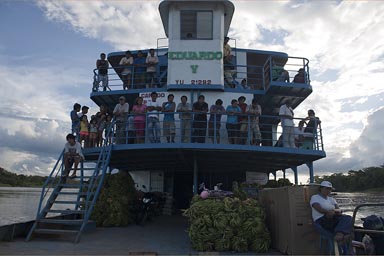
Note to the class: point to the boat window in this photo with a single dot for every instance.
(196, 25)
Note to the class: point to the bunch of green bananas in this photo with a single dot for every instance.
(228, 224)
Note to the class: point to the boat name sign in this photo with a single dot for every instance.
(195, 55)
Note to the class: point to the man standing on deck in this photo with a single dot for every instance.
(227, 50)
(152, 60)
(102, 67)
(75, 119)
(200, 109)
(185, 119)
(169, 127)
(286, 117)
(153, 108)
(121, 113)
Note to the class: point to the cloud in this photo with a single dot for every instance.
(123, 24)
(34, 115)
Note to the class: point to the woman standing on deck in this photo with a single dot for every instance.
(139, 110)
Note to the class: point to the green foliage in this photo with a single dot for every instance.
(367, 178)
(279, 183)
(227, 224)
(10, 179)
(116, 203)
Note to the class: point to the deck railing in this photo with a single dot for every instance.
(241, 77)
(215, 131)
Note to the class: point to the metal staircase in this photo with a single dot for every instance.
(69, 203)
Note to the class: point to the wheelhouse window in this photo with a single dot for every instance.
(196, 25)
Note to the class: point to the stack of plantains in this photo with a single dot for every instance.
(228, 224)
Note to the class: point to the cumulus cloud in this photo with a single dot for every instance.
(34, 115)
(123, 24)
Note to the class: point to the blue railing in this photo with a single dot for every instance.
(212, 132)
(51, 182)
(243, 77)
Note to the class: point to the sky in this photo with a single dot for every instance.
(48, 50)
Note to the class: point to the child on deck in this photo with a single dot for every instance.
(101, 126)
(84, 130)
(93, 133)
(108, 127)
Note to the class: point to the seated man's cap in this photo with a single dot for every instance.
(326, 184)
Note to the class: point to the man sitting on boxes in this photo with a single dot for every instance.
(327, 215)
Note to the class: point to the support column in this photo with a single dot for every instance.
(195, 188)
(310, 166)
(283, 173)
(294, 169)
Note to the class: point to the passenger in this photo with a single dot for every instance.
(244, 84)
(153, 123)
(121, 114)
(169, 127)
(327, 215)
(152, 61)
(254, 111)
(101, 117)
(185, 119)
(286, 117)
(227, 50)
(75, 119)
(189, 36)
(72, 155)
(126, 63)
(299, 134)
(313, 122)
(243, 121)
(140, 68)
(279, 74)
(214, 123)
(299, 77)
(84, 111)
(84, 131)
(229, 72)
(200, 109)
(108, 133)
(139, 109)
(100, 129)
(232, 125)
(131, 129)
(102, 76)
(93, 132)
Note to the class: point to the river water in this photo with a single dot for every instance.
(20, 204)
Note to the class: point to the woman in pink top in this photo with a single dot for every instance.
(139, 109)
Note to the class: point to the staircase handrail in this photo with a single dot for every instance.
(104, 157)
(49, 181)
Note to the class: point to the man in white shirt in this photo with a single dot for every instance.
(151, 61)
(327, 215)
(121, 113)
(153, 108)
(126, 62)
(72, 155)
(286, 117)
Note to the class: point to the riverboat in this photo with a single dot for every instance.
(193, 61)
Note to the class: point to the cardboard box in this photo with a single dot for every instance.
(289, 219)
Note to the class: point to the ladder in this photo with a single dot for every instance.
(73, 200)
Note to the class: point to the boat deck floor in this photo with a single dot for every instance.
(164, 235)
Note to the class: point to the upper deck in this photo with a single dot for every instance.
(255, 66)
